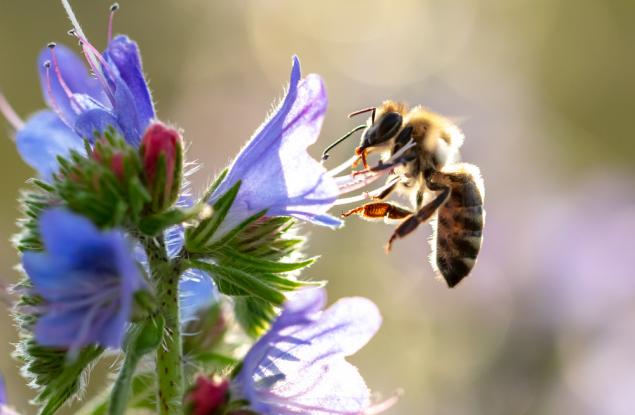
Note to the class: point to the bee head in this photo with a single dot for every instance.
(381, 130)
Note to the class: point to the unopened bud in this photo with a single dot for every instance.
(162, 156)
(110, 158)
(207, 396)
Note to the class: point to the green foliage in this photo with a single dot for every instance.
(142, 339)
(106, 186)
(256, 262)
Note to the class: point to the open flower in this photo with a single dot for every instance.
(298, 367)
(86, 278)
(276, 172)
(81, 105)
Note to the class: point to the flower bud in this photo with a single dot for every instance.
(207, 396)
(111, 158)
(162, 157)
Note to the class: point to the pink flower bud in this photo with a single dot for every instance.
(162, 142)
(207, 395)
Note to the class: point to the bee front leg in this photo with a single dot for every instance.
(378, 210)
(410, 224)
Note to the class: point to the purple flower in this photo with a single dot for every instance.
(276, 172)
(81, 105)
(4, 408)
(86, 278)
(3, 392)
(298, 367)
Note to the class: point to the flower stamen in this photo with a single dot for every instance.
(58, 73)
(9, 114)
(113, 10)
(49, 92)
(88, 50)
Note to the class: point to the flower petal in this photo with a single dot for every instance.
(334, 389)
(87, 279)
(3, 391)
(124, 54)
(66, 234)
(196, 292)
(43, 138)
(299, 367)
(277, 173)
(59, 329)
(75, 75)
(94, 122)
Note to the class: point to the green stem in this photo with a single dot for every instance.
(121, 389)
(169, 361)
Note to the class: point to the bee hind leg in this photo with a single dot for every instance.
(422, 215)
(376, 210)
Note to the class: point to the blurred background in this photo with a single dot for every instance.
(544, 91)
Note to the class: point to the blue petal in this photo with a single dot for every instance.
(3, 391)
(66, 234)
(94, 123)
(308, 366)
(75, 75)
(277, 173)
(87, 279)
(112, 332)
(197, 291)
(48, 274)
(124, 54)
(126, 113)
(60, 329)
(266, 136)
(43, 138)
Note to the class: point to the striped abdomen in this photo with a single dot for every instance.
(459, 227)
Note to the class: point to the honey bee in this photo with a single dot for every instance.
(420, 149)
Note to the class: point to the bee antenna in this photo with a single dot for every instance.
(325, 154)
(363, 111)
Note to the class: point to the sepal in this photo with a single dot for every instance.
(106, 186)
(144, 306)
(200, 237)
(256, 263)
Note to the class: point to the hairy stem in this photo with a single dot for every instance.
(165, 274)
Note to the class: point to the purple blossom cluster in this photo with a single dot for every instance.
(88, 278)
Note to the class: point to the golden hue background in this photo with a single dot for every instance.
(545, 93)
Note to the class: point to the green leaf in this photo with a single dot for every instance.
(245, 281)
(217, 181)
(254, 314)
(197, 238)
(251, 262)
(215, 359)
(153, 225)
(234, 232)
(67, 383)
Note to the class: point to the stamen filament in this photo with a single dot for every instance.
(89, 52)
(337, 170)
(49, 91)
(58, 72)
(9, 114)
(113, 9)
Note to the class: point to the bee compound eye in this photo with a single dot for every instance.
(388, 126)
